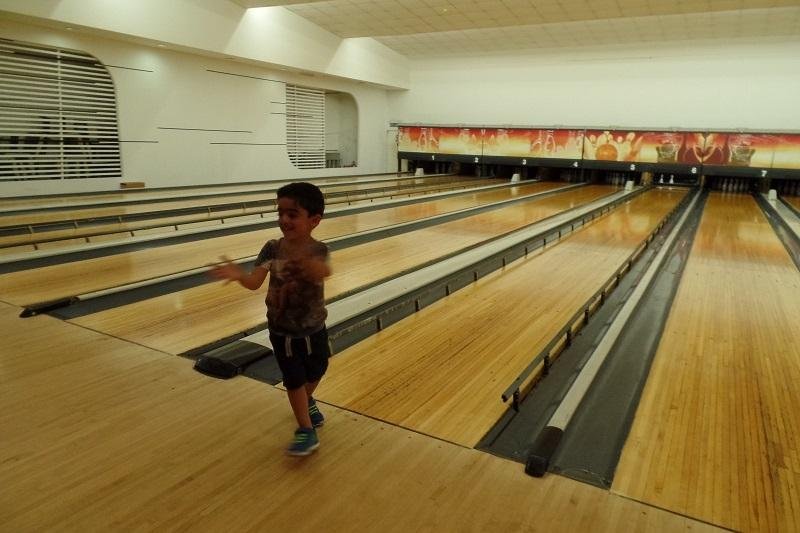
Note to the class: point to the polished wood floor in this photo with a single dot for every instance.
(105, 430)
(100, 434)
(794, 221)
(442, 371)
(160, 221)
(63, 280)
(717, 432)
(67, 200)
(191, 318)
(793, 200)
(71, 213)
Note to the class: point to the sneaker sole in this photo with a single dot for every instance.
(308, 451)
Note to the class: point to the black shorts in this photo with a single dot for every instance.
(298, 364)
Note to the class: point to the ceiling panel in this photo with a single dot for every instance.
(372, 18)
(271, 3)
(419, 28)
(723, 25)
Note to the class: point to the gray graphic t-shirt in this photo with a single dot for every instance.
(295, 305)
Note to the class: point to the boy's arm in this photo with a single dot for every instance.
(254, 279)
(230, 271)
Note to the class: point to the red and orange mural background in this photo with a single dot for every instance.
(739, 149)
(786, 151)
(468, 141)
(757, 150)
(551, 144)
(665, 147)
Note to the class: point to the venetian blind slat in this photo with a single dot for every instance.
(305, 126)
(58, 117)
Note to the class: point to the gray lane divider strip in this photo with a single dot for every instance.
(268, 187)
(788, 214)
(784, 223)
(148, 282)
(564, 413)
(202, 186)
(264, 199)
(334, 243)
(224, 209)
(355, 305)
(547, 442)
(336, 211)
(789, 206)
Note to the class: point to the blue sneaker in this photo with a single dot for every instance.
(304, 443)
(317, 420)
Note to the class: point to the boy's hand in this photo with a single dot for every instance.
(228, 271)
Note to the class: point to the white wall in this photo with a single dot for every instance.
(268, 34)
(341, 126)
(748, 84)
(159, 88)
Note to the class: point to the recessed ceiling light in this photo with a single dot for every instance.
(161, 45)
(69, 28)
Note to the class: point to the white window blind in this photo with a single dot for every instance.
(58, 117)
(305, 126)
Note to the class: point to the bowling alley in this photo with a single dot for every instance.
(399, 265)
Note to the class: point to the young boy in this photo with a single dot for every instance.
(297, 265)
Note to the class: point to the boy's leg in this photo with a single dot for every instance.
(317, 418)
(310, 387)
(305, 436)
(298, 398)
(316, 365)
(317, 360)
(294, 379)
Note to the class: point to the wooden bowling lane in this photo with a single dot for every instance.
(794, 201)
(71, 200)
(717, 431)
(105, 435)
(110, 231)
(365, 190)
(442, 370)
(59, 281)
(194, 317)
(793, 221)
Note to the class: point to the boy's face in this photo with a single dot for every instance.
(295, 222)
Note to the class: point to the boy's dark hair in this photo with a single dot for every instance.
(307, 196)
